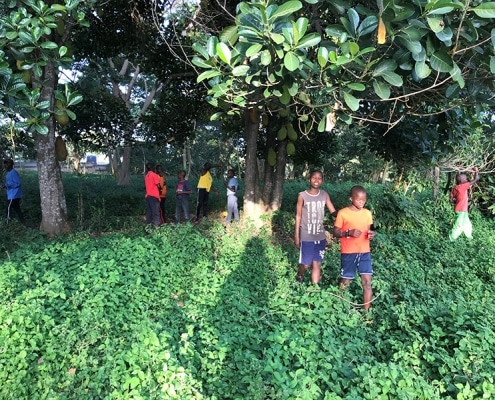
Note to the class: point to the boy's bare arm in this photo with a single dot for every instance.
(297, 227)
(476, 177)
(330, 206)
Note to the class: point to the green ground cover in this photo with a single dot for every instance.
(197, 312)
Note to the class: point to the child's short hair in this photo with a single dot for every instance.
(357, 189)
(459, 178)
(315, 171)
(150, 166)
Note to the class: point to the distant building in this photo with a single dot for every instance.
(90, 159)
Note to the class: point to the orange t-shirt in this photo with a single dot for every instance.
(349, 219)
(163, 192)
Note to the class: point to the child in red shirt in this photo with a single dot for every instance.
(459, 197)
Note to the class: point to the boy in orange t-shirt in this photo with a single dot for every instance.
(354, 226)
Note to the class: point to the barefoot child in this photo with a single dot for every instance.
(353, 225)
(459, 197)
(309, 236)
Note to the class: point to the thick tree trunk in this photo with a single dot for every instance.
(125, 168)
(53, 206)
(253, 206)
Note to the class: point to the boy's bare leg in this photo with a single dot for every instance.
(316, 272)
(367, 291)
(300, 272)
(344, 282)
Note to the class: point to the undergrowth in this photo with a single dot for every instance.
(201, 312)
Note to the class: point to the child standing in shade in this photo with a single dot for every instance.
(14, 190)
(163, 191)
(309, 235)
(459, 197)
(232, 186)
(152, 186)
(182, 192)
(205, 184)
(354, 226)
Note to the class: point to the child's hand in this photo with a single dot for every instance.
(355, 233)
(475, 169)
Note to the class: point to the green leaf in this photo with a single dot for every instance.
(456, 75)
(198, 48)
(49, 45)
(266, 57)
(422, 69)
(353, 21)
(211, 46)
(229, 35)
(322, 56)
(41, 129)
(302, 25)
(452, 91)
(208, 75)
(369, 25)
(356, 86)
(240, 70)
(309, 41)
(393, 78)
(351, 101)
(381, 89)
(199, 62)
(485, 10)
(441, 61)
(413, 46)
(447, 34)
(223, 52)
(334, 31)
(384, 67)
(442, 7)
(294, 89)
(492, 64)
(435, 23)
(291, 61)
(253, 49)
(287, 8)
(277, 38)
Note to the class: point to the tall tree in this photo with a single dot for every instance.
(323, 61)
(34, 44)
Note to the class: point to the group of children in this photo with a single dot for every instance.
(156, 192)
(354, 227)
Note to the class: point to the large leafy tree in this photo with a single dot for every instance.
(338, 62)
(34, 39)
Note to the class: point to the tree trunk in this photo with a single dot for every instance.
(113, 160)
(268, 170)
(253, 206)
(125, 168)
(53, 206)
(385, 172)
(436, 181)
(279, 177)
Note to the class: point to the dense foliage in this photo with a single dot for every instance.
(195, 312)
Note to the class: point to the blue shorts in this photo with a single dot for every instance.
(355, 262)
(312, 251)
